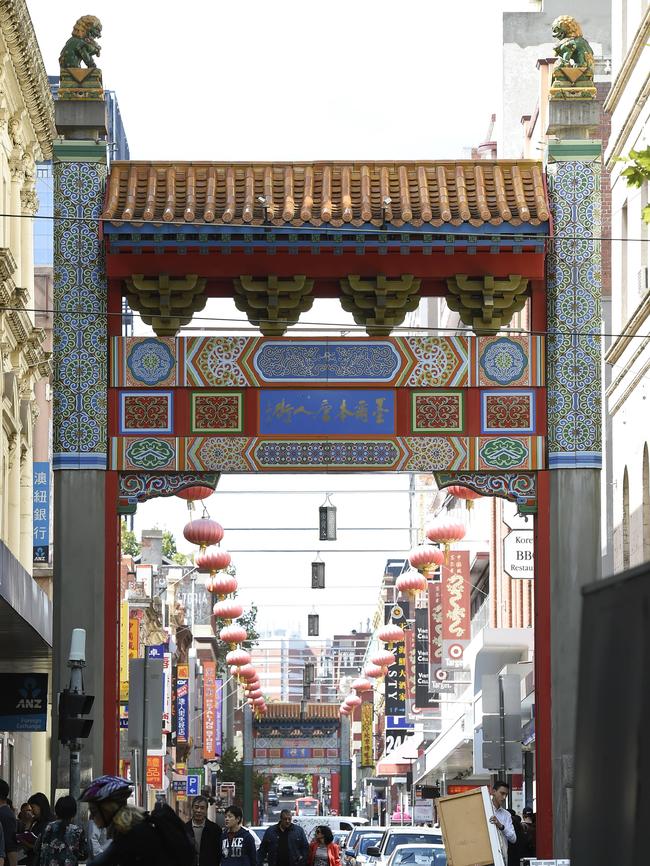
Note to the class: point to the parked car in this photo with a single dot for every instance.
(258, 833)
(273, 799)
(418, 855)
(394, 836)
(366, 837)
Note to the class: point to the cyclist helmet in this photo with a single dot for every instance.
(107, 788)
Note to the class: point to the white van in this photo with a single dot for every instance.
(336, 823)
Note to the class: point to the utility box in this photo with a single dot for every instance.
(611, 800)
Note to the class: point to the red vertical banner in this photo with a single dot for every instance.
(438, 676)
(209, 706)
(455, 609)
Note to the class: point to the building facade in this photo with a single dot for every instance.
(628, 356)
(26, 133)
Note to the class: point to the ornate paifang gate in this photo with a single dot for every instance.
(473, 409)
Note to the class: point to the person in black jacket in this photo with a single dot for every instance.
(204, 834)
(284, 843)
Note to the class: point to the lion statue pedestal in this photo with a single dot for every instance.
(573, 73)
(82, 47)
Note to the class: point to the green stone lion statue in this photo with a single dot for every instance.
(81, 46)
(572, 49)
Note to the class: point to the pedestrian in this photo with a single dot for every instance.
(501, 817)
(323, 851)
(204, 834)
(284, 843)
(237, 843)
(530, 832)
(137, 838)
(63, 843)
(516, 849)
(97, 839)
(25, 818)
(42, 812)
(9, 825)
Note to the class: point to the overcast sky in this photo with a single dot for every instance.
(289, 80)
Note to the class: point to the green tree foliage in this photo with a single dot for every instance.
(170, 550)
(128, 541)
(638, 172)
(232, 770)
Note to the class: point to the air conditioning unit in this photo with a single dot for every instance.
(644, 280)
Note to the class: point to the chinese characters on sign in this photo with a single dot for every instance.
(366, 735)
(346, 412)
(155, 771)
(209, 702)
(395, 693)
(41, 512)
(217, 718)
(438, 676)
(455, 610)
(182, 704)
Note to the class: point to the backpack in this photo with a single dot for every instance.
(173, 836)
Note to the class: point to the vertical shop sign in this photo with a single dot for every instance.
(182, 704)
(438, 676)
(367, 757)
(124, 651)
(134, 634)
(167, 694)
(218, 711)
(395, 687)
(455, 610)
(424, 697)
(209, 701)
(155, 771)
(41, 512)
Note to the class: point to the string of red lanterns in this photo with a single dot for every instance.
(214, 561)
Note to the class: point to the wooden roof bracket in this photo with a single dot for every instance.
(486, 304)
(166, 303)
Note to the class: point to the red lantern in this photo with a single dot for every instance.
(234, 670)
(203, 532)
(247, 672)
(238, 657)
(222, 584)
(233, 634)
(192, 494)
(344, 710)
(445, 534)
(391, 634)
(361, 684)
(352, 700)
(251, 685)
(255, 693)
(465, 493)
(383, 659)
(258, 702)
(411, 582)
(212, 560)
(374, 671)
(228, 610)
(425, 558)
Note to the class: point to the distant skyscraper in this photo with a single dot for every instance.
(118, 149)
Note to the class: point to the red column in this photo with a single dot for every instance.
(335, 796)
(543, 754)
(315, 779)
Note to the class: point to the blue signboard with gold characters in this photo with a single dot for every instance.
(333, 412)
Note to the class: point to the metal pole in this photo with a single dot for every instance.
(143, 758)
(502, 729)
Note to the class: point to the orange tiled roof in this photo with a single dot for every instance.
(476, 192)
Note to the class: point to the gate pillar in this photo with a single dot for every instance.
(80, 420)
(574, 425)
